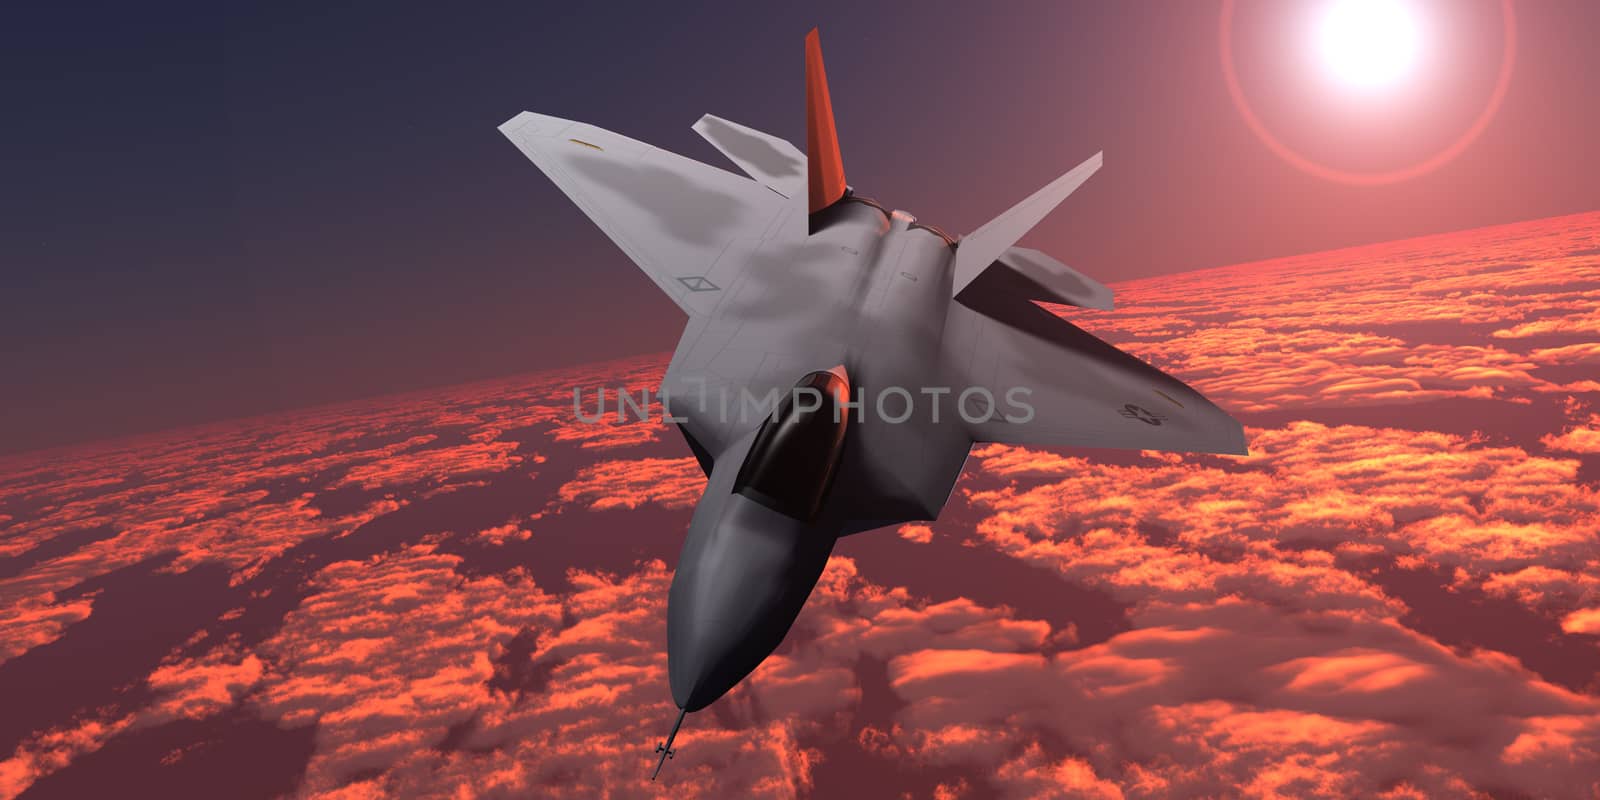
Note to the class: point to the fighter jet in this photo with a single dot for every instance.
(840, 360)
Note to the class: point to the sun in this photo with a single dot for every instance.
(1368, 44)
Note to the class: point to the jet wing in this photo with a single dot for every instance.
(1083, 391)
(674, 216)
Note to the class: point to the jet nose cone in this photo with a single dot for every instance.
(739, 585)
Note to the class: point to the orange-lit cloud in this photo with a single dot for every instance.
(500, 534)
(1456, 502)
(434, 465)
(672, 482)
(1321, 328)
(1584, 620)
(1582, 439)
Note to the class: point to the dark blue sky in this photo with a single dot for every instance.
(216, 210)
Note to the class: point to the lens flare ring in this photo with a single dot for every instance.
(1508, 57)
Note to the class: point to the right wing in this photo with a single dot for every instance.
(674, 216)
(1082, 391)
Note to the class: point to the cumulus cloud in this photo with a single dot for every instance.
(1581, 439)
(1587, 323)
(389, 653)
(500, 534)
(1456, 501)
(916, 532)
(31, 621)
(671, 482)
(1238, 697)
(1584, 620)
(434, 465)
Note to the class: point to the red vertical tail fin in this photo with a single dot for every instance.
(824, 167)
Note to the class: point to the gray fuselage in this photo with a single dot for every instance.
(746, 569)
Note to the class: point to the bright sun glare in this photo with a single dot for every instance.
(1368, 44)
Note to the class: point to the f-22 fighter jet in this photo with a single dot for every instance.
(878, 350)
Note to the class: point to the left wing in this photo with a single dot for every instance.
(674, 216)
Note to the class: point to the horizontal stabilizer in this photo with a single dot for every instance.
(977, 250)
(772, 162)
(1032, 275)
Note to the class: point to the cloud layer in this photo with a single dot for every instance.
(462, 592)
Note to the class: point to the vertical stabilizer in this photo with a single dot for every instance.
(824, 168)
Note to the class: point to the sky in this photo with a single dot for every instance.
(213, 211)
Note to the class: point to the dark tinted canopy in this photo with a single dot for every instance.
(792, 461)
